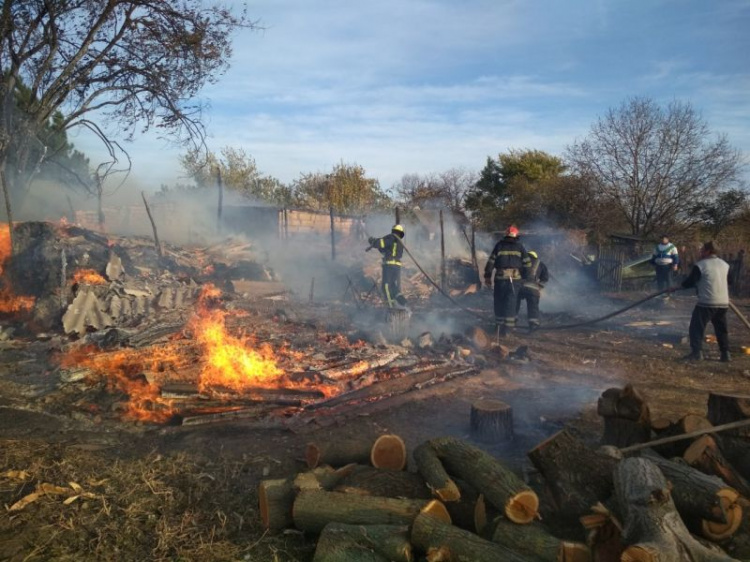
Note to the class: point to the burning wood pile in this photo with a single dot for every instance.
(681, 495)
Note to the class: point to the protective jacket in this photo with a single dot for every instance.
(391, 249)
(509, 259)
(665, 254)
(537, 275)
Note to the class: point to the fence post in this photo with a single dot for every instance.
(333, 236)
(442, 253)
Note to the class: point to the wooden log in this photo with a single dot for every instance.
(577, 476)
(653, 530)
(537, 543)
(737, 451)
(339, 452)
(464, 511)
(276, 498)
(706, 504)
(313, 510)
(604, 534)
(370, 481)
(431, 468)
(448, 542)
(478, 338)
(694, 434)
(705, 455)
(322, 478)
(727, 408)
(686, 424)
(359, 367)
(484, 514)
(627, 419)
(388, 452)
(340, 542)
(500, 486)
(491, 421)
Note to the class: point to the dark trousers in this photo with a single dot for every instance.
(392, 285)
(532, 304)
(663, 276)
(702, 315)
(506, 300)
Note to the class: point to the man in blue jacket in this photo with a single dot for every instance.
(665, 259)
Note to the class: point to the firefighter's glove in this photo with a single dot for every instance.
(372, 241)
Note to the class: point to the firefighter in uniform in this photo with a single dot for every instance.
(392, 250)
(511, 262)
(531, 289)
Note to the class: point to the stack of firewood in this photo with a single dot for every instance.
(460, 504)
(673, 490)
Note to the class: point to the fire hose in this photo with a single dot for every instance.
(562, 326)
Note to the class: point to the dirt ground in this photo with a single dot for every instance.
(134, 491)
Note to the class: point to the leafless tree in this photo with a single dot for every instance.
(114, 67)
(656, 165)
(436, 191)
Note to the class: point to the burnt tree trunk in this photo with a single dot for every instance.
(500, 486)
(313, 510)
(491, 421)
(652, 528)
(431, 534)
(578, 477)
(535, 542)
(340, 542)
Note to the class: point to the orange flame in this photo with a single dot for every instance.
(10, 303)
(88, 276)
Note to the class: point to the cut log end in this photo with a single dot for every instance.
(491, 421)
(733, 513)
(523, 507)
(479, 338)
(437, 510)
(389, 452)
(640, 553)
(312, 455)
(574, 552)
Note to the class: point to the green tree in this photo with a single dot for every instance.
(347, 189)
(655, 164)
(516, 188)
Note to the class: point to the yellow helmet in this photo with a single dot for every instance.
(534, 255)
(398, 229)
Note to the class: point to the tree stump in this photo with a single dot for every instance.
(627, 419)
(491, 421)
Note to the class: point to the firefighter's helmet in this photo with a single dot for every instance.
(398, 230)
(512, 231)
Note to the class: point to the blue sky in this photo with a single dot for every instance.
(419, 86)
